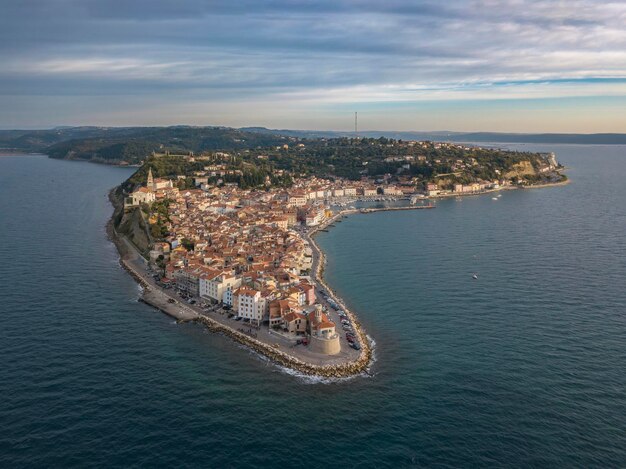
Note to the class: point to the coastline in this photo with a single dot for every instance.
(5, 152)
(20, 152)
(131, 260)
(549, 184)
(135, 265)
(499, 189)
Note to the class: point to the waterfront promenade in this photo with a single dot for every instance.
(274, 346)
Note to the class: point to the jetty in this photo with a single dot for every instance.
(393, 209)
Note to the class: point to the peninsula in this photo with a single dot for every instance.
(226, 238)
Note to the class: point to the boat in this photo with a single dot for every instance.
(494, 198)
(475, 276)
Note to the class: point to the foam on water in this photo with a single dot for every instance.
(522, 368)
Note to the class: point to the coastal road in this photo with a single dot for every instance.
(161, 298)
(319, 290)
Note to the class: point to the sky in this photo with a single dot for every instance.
(483, 65)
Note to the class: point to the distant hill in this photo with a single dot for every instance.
(581, 139)
(132, 145)
(448, 136)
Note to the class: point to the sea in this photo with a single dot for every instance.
(523, 366)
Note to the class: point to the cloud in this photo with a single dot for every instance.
(324, 51)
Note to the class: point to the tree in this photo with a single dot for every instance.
(187, 244)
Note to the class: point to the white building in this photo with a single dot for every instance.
(369, 192)
(391, 190)
(213, 286)
(314, 217)
(296, 199)
(141, 196)
(250, 304)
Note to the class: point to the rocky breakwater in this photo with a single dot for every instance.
(131, 261)
(342, 370)
(392, 209)
(363, 362)
(281, 358)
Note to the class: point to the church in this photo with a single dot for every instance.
(147, 194)
(158, 183)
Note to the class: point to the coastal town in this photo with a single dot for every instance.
(250, 253)
(233, 243)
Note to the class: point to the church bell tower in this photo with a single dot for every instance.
(150, 181)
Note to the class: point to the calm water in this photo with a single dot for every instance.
(525, 366)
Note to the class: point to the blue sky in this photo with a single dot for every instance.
(511, 65)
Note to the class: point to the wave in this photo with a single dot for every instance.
(303, 377)
(373, 359)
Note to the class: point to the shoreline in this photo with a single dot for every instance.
(499, 189)
(548, 184)
(19, 152)
(158, 298)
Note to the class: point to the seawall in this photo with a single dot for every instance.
(182, 313)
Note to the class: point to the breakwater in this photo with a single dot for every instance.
(182, 313)
(131, 261)
(134, 264)
(392, 209)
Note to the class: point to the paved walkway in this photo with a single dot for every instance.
(162, 299)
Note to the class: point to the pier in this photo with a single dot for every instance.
(390, 209)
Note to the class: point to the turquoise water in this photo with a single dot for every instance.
(522, 367)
